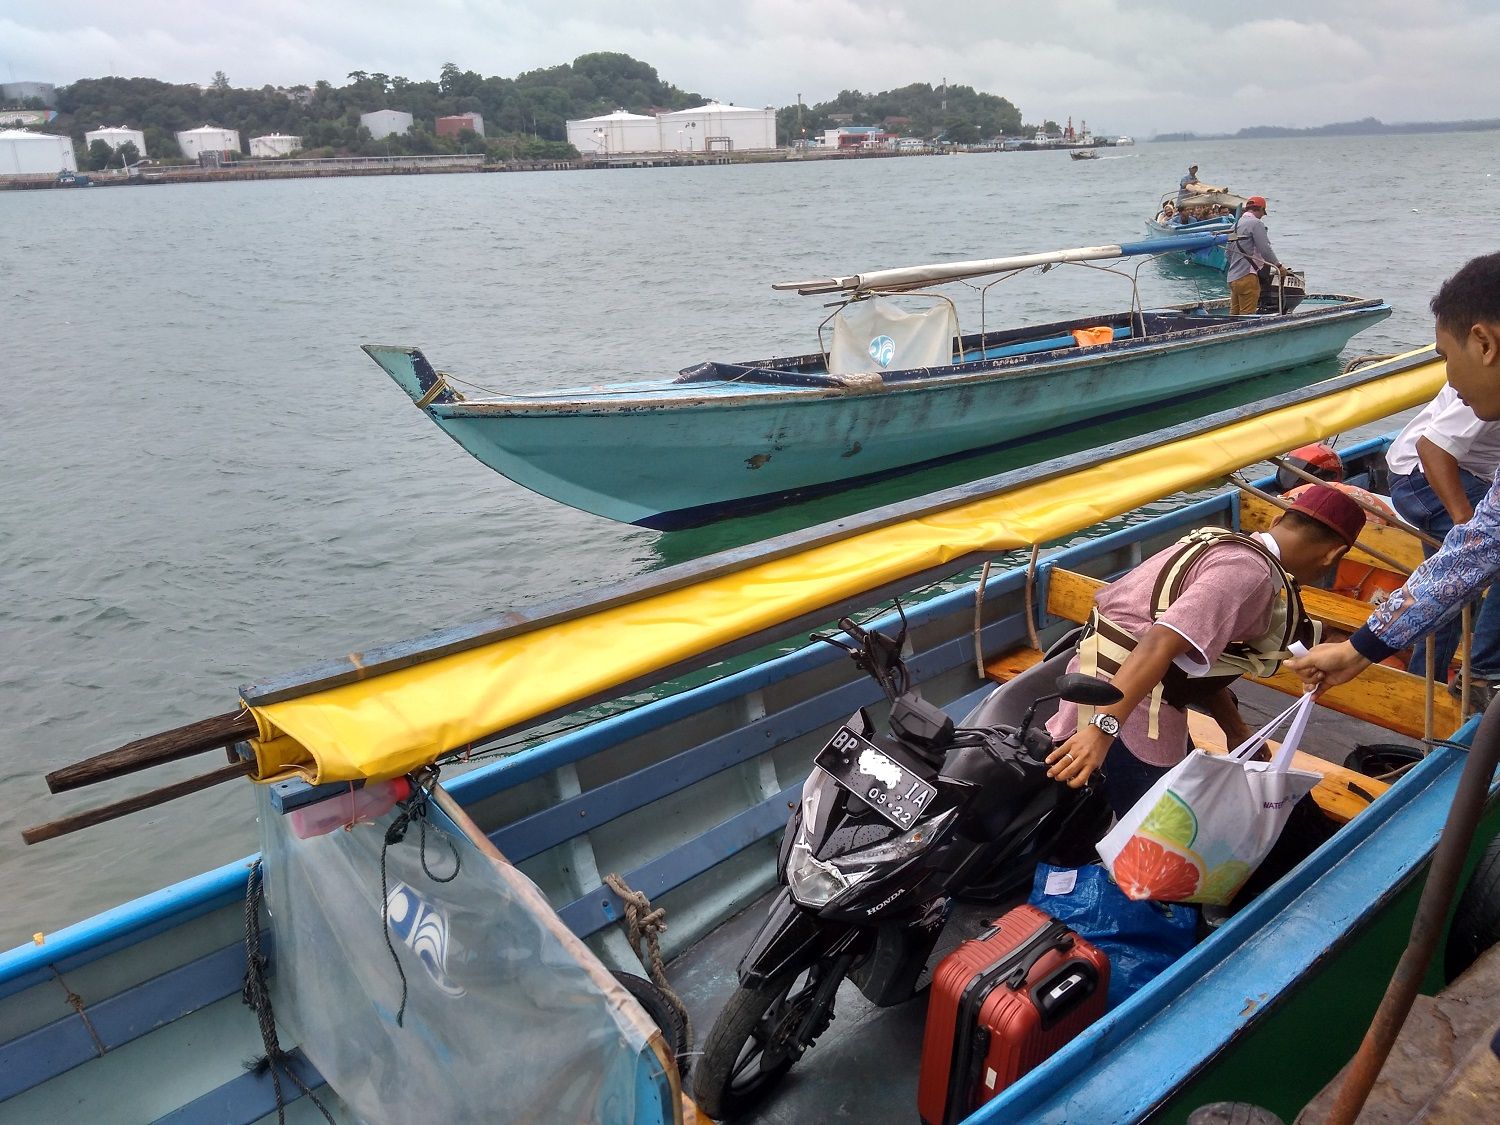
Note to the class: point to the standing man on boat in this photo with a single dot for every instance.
(1249, 252)
(1442, 463)
(1467, 308)
(1180, 628)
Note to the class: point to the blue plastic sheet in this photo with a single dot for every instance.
(1140, 938)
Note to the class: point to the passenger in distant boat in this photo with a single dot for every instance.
(1441, 465)
(1250, 253)
(1181, 627)
(1467, 308)
(1167, 213)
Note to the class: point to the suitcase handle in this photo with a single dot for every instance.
(1063, 989)
(1058, 937)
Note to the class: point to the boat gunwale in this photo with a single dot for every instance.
(597, 403)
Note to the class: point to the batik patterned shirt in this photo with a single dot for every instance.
(1440, 587)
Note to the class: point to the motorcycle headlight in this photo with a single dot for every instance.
(814, 883)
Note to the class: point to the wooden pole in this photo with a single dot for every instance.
(1285, 506)
(90, 817)
(155, 750)
(1394, 521)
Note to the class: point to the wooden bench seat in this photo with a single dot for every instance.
(1384, 696)
(1341, 794)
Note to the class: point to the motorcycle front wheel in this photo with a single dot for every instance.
(754, 1041)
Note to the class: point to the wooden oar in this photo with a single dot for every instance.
(155, 750)
(90, 817)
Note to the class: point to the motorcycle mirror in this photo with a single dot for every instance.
(1091, 691)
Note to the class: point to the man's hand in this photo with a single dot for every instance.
(1079, 756)
(1329, 665)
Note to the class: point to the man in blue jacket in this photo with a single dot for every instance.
(1467, 308)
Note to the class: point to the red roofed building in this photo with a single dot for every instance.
(458, 122)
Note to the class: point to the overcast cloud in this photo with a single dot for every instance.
(1142, 68)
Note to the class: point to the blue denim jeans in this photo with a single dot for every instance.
(1416, 503)
(1126, 777)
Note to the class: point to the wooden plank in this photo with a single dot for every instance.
(1257, 515)
(1342, 794)
(1381, 695)
(1333, 794)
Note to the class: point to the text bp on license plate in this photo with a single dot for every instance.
(875, 777)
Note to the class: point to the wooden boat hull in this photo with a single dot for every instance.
(681, 454)
(1210, 257)
(135, 1015)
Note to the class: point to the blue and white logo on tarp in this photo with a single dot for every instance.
(883, 350)
(423, 928)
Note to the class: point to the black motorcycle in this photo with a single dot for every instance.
(894, 825)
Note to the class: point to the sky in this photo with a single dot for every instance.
(1146, 67)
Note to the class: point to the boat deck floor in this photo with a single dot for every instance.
(864, 1067)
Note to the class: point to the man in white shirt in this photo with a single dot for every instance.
(1442, 463)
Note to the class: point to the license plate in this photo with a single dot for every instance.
(875, 777)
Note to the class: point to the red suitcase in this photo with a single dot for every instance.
(1000, 1005)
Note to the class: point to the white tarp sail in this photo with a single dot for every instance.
(877, 335)
(508, 1017)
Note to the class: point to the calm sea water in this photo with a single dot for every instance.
(203, 481)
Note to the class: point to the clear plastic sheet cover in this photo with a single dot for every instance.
(507, 1019)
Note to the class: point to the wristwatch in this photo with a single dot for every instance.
(1107, 723)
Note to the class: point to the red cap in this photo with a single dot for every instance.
(1256, 201)
(1333, 509)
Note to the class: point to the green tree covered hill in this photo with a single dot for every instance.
(524, 116)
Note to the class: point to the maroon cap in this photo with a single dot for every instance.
(1332, 508)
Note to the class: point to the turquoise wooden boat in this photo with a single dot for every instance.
(1214, 257)
(721, 439)
(136, 1015)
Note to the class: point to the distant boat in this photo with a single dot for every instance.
(1214, 256)
(1084, 154)
(721, 439)
(1124, 140)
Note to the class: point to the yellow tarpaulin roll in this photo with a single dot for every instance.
(398, 721)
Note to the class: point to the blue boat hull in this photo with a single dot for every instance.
(1210, 257)
(670, 455)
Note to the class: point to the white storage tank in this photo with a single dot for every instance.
(275, 144)
(208, 138)
(718, 128)
(24, 153)
(116, 137)
(614, 133)
(385, 122)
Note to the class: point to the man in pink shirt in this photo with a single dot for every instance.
(1227, 598)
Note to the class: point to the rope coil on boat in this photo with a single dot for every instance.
(643, 926)
(256, 995)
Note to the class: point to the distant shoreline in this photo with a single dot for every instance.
(1369, 127)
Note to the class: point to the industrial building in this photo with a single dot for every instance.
(275, 144)
(718, 128)
(617, 132)
(708, 128)
(386, 123)
(116, 137)
(24, 153)
(455, 124)
(13, 93)
(208, 139)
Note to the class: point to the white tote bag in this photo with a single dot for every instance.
(1201, 830)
